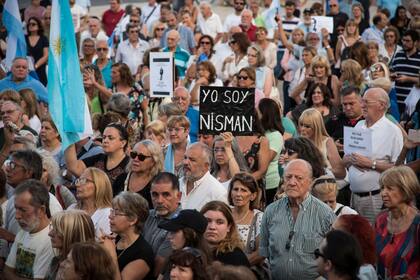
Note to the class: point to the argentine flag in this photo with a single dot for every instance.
(16, 44)
(66, 95)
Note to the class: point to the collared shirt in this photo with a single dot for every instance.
(313, 221)
(373, 34)
(210, 26)
(131, 55)
(156, 236)
(181, 58)
(387, 143)
(408, 66)
(187, 41)
(29, 82)
(205, 189)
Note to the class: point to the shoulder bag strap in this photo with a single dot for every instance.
(252, 229)
(151, 13)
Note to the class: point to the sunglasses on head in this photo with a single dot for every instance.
(139, 156)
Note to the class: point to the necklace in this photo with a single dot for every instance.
(243, 217)
(119, 255)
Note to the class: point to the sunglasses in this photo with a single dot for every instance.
(245, 78)
(101, 49)
(160, 29)
(139, 156)
(134, 21)
(205, 43)
(288, 151)
(232, 42)
(317, 254)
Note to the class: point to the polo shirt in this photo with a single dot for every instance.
(187, 41)
(387, 143)
(110, 19)
(210, 26)
(131, 55)
(405, 65)
(193, 116)
(39, 89)
(251, 32)
(181, 58)
(205, 189)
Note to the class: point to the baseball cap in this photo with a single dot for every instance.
(190, 218)
(308, 11)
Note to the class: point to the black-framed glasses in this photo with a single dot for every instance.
(289, 240)
(12, 165)
(101, 49)
(205, 43)
(288, 151)
(243, 77)
(139, 156)
(317, 254)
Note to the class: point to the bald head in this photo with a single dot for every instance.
(172, 39)
(381, 95)
(302, 164)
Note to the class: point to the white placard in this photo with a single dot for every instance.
(161, 74)
(322, 22)
(414, 135)
(357, 140)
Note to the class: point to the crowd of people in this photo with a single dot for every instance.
(148, 196)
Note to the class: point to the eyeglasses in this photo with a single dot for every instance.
(160, 29)
(219, 150)
(288, 151)
(134, 21)
(139, 156)
(13, 165)
(317, 254)
(33, 24)
(252, 55)
(101, 49)
(114, 213)
(205, 43)
(82, 181)
(175, 129)
(289, 240)
(245, 78)
(180, 98)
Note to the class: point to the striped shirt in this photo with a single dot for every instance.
(404, 65)
(313, 221)
(181, 58)
(288, 25)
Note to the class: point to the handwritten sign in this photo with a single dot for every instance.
(227, 109)
(322, 22)
(414, 135)
(161, 74)
(357, 140)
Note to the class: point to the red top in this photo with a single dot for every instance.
(251, 32)
(110, 20)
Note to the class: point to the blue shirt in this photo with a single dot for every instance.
(181, 58)
(186, 41)
(193, 116)
(40, 91)
(312, 223)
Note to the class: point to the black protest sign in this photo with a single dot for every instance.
(227, 109)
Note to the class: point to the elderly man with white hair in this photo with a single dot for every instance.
(209, 22)
(387, 142)
(247, 26)
(293, 226)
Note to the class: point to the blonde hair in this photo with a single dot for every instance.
(383, 83)
(232, 239)
(322, 62)
(103, 188)
(72, 226)
(351, 22)
(314, 118)
(158, 128)
(323, 185)
(404, 179)
(351, 71)
(156, 153)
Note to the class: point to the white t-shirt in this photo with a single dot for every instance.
(211, 26)
(31, 254)
(231, 21)
(77, 12)
(100, 220)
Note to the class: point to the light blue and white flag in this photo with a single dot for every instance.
(270, 14)
(16, 44)
(67, 98)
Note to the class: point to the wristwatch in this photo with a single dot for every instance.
(374, 165)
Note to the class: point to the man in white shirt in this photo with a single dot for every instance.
(209, 22)
(150, 14)
(387, 142)
(131, 51)
(233, 19)
(94, 32)
(198, 186)
(31, 252)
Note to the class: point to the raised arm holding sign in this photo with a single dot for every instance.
(227, 109)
